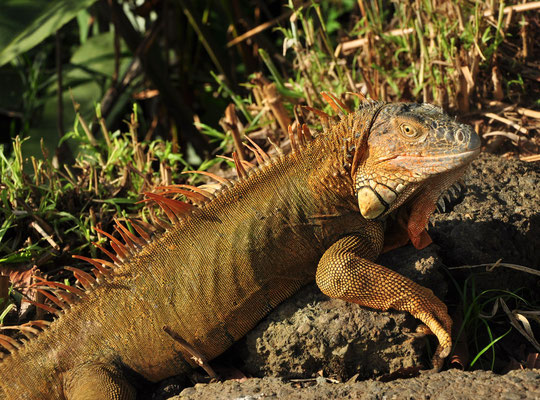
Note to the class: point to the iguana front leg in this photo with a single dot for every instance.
(346, 271)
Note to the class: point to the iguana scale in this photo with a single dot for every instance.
(318, 213)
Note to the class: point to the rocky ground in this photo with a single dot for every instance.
(310, 341)
(451, 384)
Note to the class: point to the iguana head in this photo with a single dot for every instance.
(413, 153)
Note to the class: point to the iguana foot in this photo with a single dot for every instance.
(440, 354)
(425, 306)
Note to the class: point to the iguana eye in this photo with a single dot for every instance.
(408, 131)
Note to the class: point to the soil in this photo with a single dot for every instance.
(310, 341)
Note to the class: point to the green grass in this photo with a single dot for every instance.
(487, 316)
(53, 211)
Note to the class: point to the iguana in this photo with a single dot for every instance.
(227, 258)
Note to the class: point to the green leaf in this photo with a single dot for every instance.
(5, 312)
(491, 344)
(86, 77)
(26, 23)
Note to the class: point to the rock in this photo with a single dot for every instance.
(452, 384)
(497, 220)
(498, 217)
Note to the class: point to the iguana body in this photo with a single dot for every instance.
(225, 264)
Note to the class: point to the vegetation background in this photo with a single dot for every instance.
(103, 100)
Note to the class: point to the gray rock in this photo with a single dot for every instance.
(452, 384)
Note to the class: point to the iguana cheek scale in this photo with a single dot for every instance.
(225, 260)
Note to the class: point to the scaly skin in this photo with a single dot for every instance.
(219, 270)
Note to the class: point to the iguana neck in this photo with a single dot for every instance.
(342, 149)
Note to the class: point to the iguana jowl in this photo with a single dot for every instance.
(317, 213)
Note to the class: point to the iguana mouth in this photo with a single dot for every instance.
(443, 156)
(433, 164)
